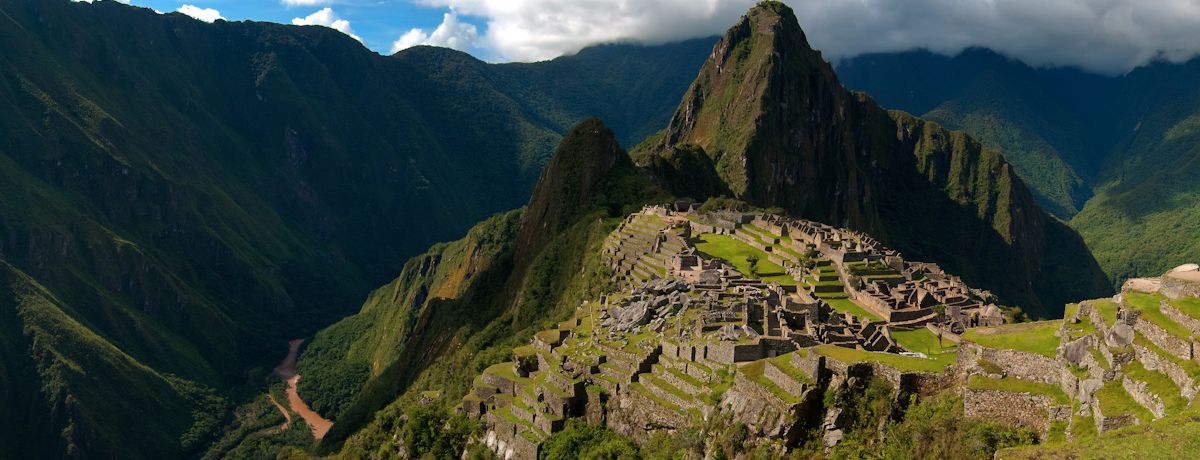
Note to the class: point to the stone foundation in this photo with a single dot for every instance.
(1024, 409)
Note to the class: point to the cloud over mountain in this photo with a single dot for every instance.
(1108, 36)
(328, 18)
(203, 14)
(451, 33)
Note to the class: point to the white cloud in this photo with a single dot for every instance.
(304, 2)
(451, 33)
(1108, 36)
(326, 17)
(203, 14)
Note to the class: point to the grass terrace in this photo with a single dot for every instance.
(903, 363)
(1037, 337)
(1011, 385)
(1083, 328)
(641, 389)
(845, 305)
(1189, 306)
(1148, 304)
(754, 371)
(1114, 400)
(735, 252)
(923, 340)
(1099, 357)
(1170, 437)
(784, 363)
(1189, 366)
(1108, 311)
(1159, 384)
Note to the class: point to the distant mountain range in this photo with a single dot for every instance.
(1116, 156)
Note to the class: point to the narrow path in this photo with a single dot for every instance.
(287, 370)
(287, 416)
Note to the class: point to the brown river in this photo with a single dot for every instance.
(287, 371)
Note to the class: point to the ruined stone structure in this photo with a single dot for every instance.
(1120, 361)
(681, 323)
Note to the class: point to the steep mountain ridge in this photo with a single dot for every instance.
(1114, 154)
(463, 305)
(196, 194)
(782, 131)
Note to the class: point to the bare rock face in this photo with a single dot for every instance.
(626, 318)
(1074, 352)
(833, 434)
(1119, 335)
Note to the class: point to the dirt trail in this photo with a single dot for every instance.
(287, 370)
(287, 416)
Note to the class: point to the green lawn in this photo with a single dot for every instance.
(1114, 400)
(1148, 304)
(924, 341)
(1191, 367)
(1171, 437)
(1037, 337)
(1189, 306)
(979, 382)
(1083, 328)
(754, 371)
(844, 304)
(784, 363)
(1159, 384)
(1108, 311)
(735, 252)
(904, 363)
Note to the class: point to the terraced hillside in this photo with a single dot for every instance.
(1112, 368)
(723, 315)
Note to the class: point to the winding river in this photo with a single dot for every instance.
(287, 371)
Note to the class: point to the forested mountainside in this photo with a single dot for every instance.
(1114, 155)
(462, 307)
(184, 197)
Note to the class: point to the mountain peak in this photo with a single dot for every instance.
(781, 131)
(762, 70)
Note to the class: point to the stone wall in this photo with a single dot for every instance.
(637, 416)
(1068, 382)
(729, 353)
(1155, 362)
(1143, 396)
(764, 413)
(1023, 409)
(782, 379)
(1179, 317)
(1173, 345)
(810, 364)
(1116, 360)
(1017, 364)
(503, 385)
(594, 410)
(681, 384)
(1094, 316)
(1106, 423)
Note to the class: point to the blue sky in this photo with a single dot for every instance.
(378, 22)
